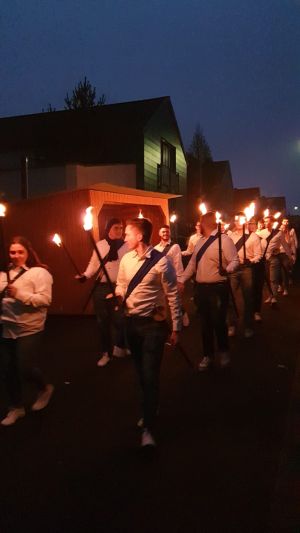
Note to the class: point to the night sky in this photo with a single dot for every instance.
(233, 66)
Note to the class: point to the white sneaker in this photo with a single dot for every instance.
(279, 288)
(204, 364)
(268, 300)
(224, 359)
(104, 359)
(273, 300)
(185, 320)
(248, 333)
(12, 416)
(147, 439)
(285, 293)
(231, 331)
(119, 352)
(43, 398)
(257, 317)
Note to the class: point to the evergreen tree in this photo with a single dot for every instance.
(84, 97)
(199, 147)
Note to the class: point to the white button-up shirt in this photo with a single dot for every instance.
(174, 254)
(208, 267)
(150, 293)
(274, 244)
(252, 246)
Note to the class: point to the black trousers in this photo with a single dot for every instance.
(110, 323)
(211, 300)
(146, 339)
(259, 274)
(20, 364)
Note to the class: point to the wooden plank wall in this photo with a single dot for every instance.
(39, 219)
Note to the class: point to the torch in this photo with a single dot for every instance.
(57, 240)
(140, 215)
(88, 226)
(202, 208)
(218, 221)
(242, 221)
(2, 216)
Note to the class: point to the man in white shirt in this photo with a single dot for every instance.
(290, 236)
(144, 299)
(193, 240)
(111, 249)
(250, 252)
(173, 252)
(272, 240)
(211, 287)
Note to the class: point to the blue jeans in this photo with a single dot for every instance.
(146, 339)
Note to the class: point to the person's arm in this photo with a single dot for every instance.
(285, 245)
(121, 284)
(230, 254)
(256, 247)
(169, 283)
(175, 253)
(190, 268)
(190, 247)
(41, 293)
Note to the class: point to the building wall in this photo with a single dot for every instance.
(41, 181)
(116, 174)
(162, 125)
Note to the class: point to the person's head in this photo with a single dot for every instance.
(239, 220)
(260, 224)
(138, 231)
(208, 223)
(22, 254)
(165, 233)
(252, 225)
(198, 227)
(114, 229)
(269, 221)
(285, 222)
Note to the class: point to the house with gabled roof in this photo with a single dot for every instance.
(135, 144)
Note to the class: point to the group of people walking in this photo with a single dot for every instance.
(138, 299)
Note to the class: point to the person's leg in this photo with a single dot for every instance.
(12, 373)
(219, 297)
(274, 273)
(202, 302)
(258, 284)
(247, 292)
(29, 353)
(235, 282)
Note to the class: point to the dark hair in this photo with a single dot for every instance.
(110, 223)
(144, 225)
(164, 226)
(33, 259)
(209, 218)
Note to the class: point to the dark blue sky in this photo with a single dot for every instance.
(233, 66)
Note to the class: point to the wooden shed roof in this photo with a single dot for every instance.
(129, 191)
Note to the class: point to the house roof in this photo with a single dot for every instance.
(109, 133)
(109, 187)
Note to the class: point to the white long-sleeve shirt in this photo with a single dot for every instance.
(275, 243)
(112, 267)
(207, 270)
(150, 293)
(191, 244)
(252, 246)
(174, 254)
(25, 314)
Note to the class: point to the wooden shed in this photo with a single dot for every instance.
(39, 218)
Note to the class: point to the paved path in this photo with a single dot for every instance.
(222, 438)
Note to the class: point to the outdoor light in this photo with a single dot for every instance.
(173, 217)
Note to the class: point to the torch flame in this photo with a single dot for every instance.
(266, 213)
(173, 217)
(249, 211)
(56, 239)
(277, 215)
(226, 226)
(202, 208)
(218, 217)
(2, 210)
(242, 220)
(275, 224)
(140, 215)
(88, 219)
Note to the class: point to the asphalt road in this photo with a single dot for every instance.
(77, 466)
